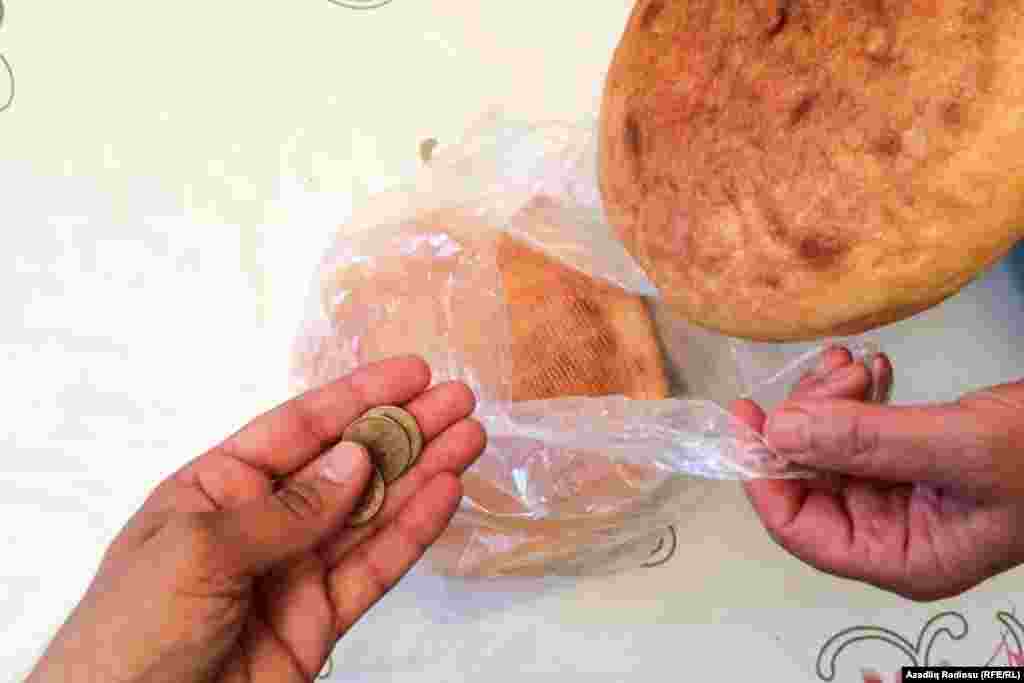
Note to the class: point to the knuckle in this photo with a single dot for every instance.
(843, 439)
(861, 438)
(312, 423)
(301, 500)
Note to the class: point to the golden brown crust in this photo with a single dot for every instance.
(573, 335)
(798, 169)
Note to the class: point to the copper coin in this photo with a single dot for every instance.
(409, 424)
(427, 148)
(386, 440)
(371, 502)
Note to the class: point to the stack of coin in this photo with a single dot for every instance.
(394, 441)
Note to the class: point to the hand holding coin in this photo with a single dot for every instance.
(394, 441)
(260, 554)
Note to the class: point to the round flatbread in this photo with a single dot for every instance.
(786, 170)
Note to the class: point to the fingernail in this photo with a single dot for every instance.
(821, 369)
(844, 374)
(787, 431)
(341, 463)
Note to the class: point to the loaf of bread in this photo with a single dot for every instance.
(789, 170)
(430, 287)
(571, 335)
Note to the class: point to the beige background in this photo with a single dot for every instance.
(169, 175)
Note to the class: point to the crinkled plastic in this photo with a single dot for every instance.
(496, 264)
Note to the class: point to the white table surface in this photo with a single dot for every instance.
(169, 174)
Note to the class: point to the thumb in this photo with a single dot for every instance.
(941, 443)
(308, 507)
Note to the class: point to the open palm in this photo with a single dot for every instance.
(239, 567)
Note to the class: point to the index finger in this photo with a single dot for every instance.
(276, 444)
(934, 443)
(286, 438)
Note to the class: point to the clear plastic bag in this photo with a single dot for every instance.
(603, 411)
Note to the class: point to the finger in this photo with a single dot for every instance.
(776, 501)
(881, 377)
(883, 535)
(222, 483)
(307, 609)
(371, 570)
(833, 358)
(779, 502)
(440, 407)
(296, 606)
(435, 411)
(748, 414)
(266, 532)
(813, 526)
(870, 381)
(262, 656)
(839, 376)
(852, 381)
(1005, 397)
(452, 452)
(283, 440)
(242, 468)
(933, 443)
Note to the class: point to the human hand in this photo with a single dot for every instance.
(223, 576)
(929, 500)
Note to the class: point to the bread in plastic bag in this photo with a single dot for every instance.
(495, 264)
